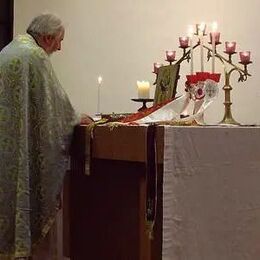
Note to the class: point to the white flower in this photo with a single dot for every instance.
(210, 89)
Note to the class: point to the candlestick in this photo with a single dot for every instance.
(213, 54)
(190, 34)
(213, 35)
(201, 54)
(143, 88)
(202, 76)
(191, 57)
(98, 98)
(144, 101)
(202, 27)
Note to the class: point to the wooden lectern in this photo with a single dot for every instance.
(105, 212)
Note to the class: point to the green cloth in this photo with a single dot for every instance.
(166, 83)
(36, 122)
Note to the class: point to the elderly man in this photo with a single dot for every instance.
(36, 122)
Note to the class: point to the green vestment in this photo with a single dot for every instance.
(36, 122)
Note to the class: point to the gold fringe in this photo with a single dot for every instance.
(178, 123)
(150, 229)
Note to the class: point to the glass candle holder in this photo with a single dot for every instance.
(170, 56)
(244, 57)
(184, 42)
(216, 36)
(230, 47)
(156, 67)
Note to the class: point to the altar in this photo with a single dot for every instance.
(107, 208)
(205, 194)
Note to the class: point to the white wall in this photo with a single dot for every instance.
(120, 40)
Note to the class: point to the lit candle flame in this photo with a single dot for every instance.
(190, 31)
(202, 28)
(214, 26)
(100, 79)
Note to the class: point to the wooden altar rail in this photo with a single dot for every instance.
(105, 211)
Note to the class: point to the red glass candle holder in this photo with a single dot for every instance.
(156, 67)
(215, 36)
(230, 47)
(184, 42)
(245, 57)
(170, 56)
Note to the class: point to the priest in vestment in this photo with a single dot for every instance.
(36, 123)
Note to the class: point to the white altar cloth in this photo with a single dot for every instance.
(211, 193)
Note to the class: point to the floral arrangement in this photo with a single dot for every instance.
(202, 83)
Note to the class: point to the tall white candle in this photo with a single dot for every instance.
(213, 52)
(143, 88)
(213, 34)
(190, 34)
(201, 54)
(100, 79)
(201, 37)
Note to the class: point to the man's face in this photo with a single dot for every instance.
(53, 43)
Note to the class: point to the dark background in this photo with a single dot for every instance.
(6, 21)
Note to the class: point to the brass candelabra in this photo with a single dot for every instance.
(243, 75)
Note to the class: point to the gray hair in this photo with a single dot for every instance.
(45, 24)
